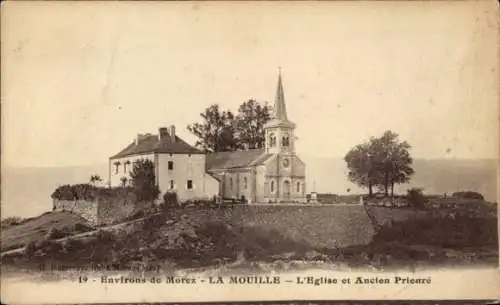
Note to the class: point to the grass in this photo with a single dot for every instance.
(35, 229)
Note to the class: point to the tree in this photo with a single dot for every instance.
(362, 166)
(216, 131)
(416, 198)
(394, 160)
(94, 179)
(143, 180)
(381, 162)
(250, 121)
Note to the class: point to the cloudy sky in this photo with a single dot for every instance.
(80, 80)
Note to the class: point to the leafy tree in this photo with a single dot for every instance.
(221, 130)
(94, 179)
(250, 121)
(393, 160)
(361, 166)
(216, 131)
(143, 180)
(416, 198)
(380, 162)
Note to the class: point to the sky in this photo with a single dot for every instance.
(81, 79)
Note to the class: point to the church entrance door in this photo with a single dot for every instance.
(286, 190)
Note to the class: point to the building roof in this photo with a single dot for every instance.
(152, 144)
(235, 159)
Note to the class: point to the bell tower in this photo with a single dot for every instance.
(279, 130)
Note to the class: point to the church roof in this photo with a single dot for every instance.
(152, 144)
(235, 159)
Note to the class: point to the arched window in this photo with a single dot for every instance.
(286, 187)
(285, 141)
(272, 186)
(125, 165)
(272, 140)
(298, 187)
(117, 166)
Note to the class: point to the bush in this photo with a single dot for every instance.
(468, 195)
(70, 245)
(154, 222)
(170, 199)
(144, 181)
(416, 198)
(30, 248)
(461, 231)
(105, 236)
(42, 247)
(80, 227)
(55, 233)
(88, 192)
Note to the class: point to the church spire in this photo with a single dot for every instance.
(279, 102)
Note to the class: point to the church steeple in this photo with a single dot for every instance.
(280, 118)
(279, 130)
(279, 102)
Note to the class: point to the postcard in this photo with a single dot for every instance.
(249, 151)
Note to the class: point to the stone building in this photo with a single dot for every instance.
(272, 174)
(179, 166)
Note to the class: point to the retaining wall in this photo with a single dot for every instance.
(319, 226)
(101, 211)
(83, 208)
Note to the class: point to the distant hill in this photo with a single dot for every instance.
(26, 191)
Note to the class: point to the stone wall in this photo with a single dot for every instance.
(82, 208)
(318, 226)
(102, 211)
(111, 211)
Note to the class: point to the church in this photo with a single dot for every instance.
(273, 174)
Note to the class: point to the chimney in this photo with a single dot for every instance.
(171, 131)
(141, 137)
(162, 133)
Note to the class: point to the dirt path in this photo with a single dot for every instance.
(84, 234)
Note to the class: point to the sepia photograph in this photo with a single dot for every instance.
(192, 150)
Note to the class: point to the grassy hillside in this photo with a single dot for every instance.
(185, 239)
(35, 229)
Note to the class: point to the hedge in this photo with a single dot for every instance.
(88, 192)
